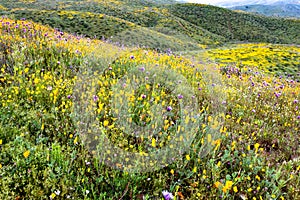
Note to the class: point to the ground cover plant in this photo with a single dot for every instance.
(82, 118)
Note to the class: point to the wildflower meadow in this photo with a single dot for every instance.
(82, 118)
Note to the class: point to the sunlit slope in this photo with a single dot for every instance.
(250, 118)
(170, 29)
(188, 26)
(282, 60)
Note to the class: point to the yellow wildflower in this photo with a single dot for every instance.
(235, 189)
(188, 157)
(26, 154)
(227, 186)
(217, 184)
(105, 123)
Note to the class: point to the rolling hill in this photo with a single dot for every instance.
(153, 24)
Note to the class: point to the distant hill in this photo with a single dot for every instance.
(275, 10)
(230, 3)
(238, 26)
(154, 24)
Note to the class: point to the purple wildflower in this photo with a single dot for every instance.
(167, 195)
(69, 96)
(180, 96)
(132, 57)
(169, 108)
(142, 69)
(143, 96)
(95, 97)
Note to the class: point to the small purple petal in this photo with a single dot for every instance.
(169, 108)
(142, 69)
(167, 195)
(95, 97)
(180, 96)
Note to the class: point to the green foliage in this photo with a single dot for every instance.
(238, 26)
(43, 155)
(191, 25)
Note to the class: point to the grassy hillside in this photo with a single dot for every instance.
(175, 26)
(84, 118)
(56, 89)
(239, 26)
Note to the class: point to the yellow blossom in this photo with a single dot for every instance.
(26, 154)
(52, 196)
(217, 184)
(235, 189)
(105, 123)
(227, 186)
(188, 157)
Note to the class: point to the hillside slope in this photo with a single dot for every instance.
(57, 89)
(171, 25)
(239, 26)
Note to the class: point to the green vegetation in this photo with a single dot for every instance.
(239, 26)
(180, 27)
(82, 118)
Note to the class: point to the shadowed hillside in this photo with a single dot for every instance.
(239, 26)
